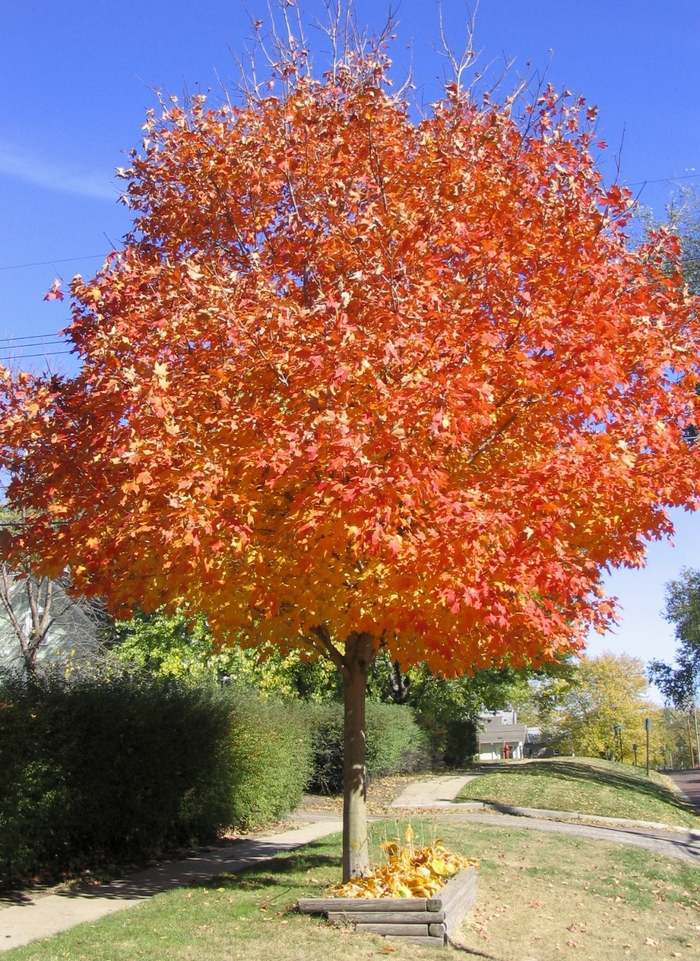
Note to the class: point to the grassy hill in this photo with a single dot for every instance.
(586, 785)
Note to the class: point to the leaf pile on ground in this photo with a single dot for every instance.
(410, 872)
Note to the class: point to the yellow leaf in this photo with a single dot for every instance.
(408, 873)
(421, 892)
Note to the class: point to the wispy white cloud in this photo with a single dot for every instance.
(18, 163)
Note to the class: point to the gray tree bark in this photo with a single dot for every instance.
(353, 663)
(355, 850)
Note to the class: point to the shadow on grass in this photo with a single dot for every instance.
(274, 871)
(205, 868)
(614, 777)
(475, 953)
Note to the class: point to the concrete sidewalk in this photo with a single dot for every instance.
(680, 844)
(437, 792)
(46, 916)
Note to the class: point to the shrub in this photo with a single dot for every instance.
(110, 769)
(461, 742)
(395, 743)
(103, 769)
(270, 757)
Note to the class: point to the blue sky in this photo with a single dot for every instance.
(78, 75)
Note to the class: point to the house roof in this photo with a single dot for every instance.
(496, 731)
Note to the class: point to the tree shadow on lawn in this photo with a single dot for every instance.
(573, 771)
(274, 872)
(203, 872)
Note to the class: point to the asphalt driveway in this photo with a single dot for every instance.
(689, 783)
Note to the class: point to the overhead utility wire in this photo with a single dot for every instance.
(48, 353)
(38, 338)
(10, 346)
(664, 180)
(67, 260)
(50, 263)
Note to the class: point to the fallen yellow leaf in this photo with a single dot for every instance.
(408, 873)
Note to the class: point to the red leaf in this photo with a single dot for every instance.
(55, 293)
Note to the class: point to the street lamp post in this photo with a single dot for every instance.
(618, 734)
(647, 728)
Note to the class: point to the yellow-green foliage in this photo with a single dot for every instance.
(183, 647)
(579, 712)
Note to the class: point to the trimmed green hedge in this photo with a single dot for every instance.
(395, 743)
(105, 770)
(270, 754)
(112, 769)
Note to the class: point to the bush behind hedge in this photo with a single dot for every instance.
(270, 757)
(395, 743)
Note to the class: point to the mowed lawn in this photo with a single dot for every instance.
(540, 897)
(586, 785)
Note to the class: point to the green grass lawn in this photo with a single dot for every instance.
(586, 785)
(539, 896)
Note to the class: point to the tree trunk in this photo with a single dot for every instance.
(355, 853)
(360, 651)
(353, 664)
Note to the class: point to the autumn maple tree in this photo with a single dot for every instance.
(359, 381)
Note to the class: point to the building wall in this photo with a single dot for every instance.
(498, 729)
(493, 751)
(71, 639)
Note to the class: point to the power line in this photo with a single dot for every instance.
(50, 263)
(48, 353)
(66, 260)
(664, 180)
(40, 338)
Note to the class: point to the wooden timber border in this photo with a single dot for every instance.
(419, 920)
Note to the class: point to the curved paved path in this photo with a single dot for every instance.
(437, 795)
(684, 845)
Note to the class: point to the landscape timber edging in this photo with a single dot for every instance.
(418, 920)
